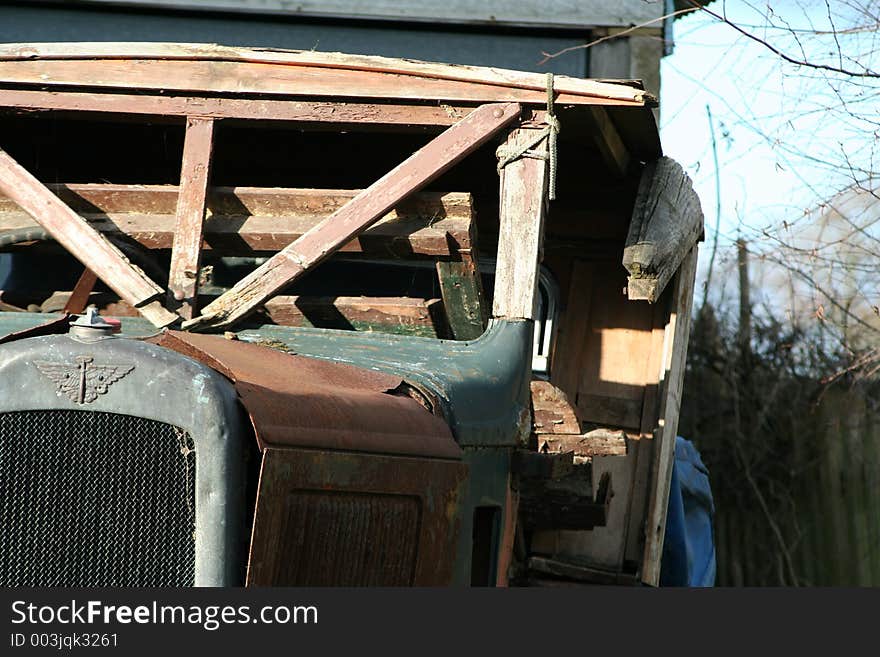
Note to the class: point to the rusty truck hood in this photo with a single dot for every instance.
(298, 401)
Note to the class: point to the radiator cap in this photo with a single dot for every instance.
(91, 325)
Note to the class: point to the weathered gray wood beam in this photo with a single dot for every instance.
(521, 230)
(186, 251)
(667, 222)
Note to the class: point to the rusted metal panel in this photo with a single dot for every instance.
(304, 402)
(355, 520)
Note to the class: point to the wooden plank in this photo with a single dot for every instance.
(362, 211)
(575, 325)
(643, 448)
(566, 503)
(552, 411)
(576, 571)
(186, 249)
(244, 201)
(674, 354)
(622, 410)
(521, 229)
(83, 242)
(508, 537)
(401, 315)
(79, 297)
(462, 291)
(394, 315)
(213, 68)
(615, 366)
(598, 442)
(340, 114)
(609, 142)
(549, 14)
(666, 223)
(542, 465)
(247, 219)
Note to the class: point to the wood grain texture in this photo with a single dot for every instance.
(574, 329)
(674, 355)
(552, 411)
(362, 211)
(247, 219)
(667, 221)
(643, 449)
(213, 68)
(300, 81)
(614, 370)
(521, 229)
(82, 241)
(344, 113)
(186, 249)
(598, 442)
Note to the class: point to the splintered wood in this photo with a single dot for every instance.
(362, 211)
(557, 429)
(186, 252)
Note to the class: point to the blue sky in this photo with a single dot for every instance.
(787, 138)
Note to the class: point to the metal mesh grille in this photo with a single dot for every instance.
(95, 499)
(349, 539)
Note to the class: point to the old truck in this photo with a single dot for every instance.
(299, 318)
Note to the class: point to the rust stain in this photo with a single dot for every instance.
(296, 401)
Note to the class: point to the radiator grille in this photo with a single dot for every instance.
(95, 499)
(349, 539)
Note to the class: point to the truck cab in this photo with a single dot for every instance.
(295, 318)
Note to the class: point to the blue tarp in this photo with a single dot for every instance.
(689, 546)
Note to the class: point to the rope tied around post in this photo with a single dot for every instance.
(507, 154)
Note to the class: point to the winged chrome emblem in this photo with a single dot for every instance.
(82, 381)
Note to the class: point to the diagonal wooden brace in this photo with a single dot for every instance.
(426, 164)
(83, 242)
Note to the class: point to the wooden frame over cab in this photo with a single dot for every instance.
(290, 159)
